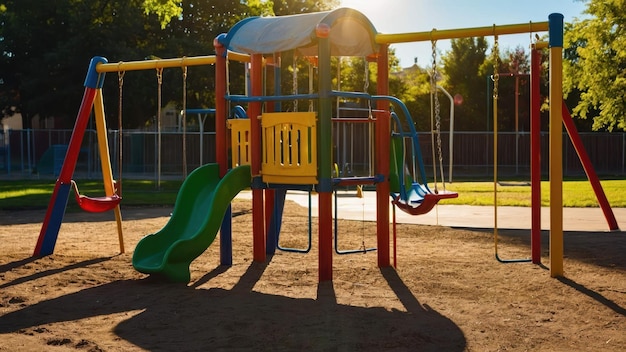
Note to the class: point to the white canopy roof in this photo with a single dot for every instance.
(351, 34)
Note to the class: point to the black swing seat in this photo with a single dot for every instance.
(96, 204)
(420, 199)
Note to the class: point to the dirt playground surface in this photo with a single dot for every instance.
(448, 292)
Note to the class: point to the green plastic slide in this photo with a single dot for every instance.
(200, 207)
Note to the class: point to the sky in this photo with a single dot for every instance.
(404, 16)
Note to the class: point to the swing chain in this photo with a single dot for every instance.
(184, 118)
(120, 76)
(295, 80)
(159, 74)
(433, 87)
(496, 64)
(366, 86)
(311, 73)
(120, 82)
(363, 230)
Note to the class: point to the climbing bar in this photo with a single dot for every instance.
(264, 98)
(353, 119)
(200, 111)
(357, 181)
(461, 33)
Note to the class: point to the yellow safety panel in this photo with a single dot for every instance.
(239, 141)
(289, 148)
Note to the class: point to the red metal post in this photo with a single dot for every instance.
(535, 155)
(589, 170)
(383, 145)
(254, 111)
(58, 202)
(324, 155)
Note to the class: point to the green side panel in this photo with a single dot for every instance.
(396, 158)
(200, 207)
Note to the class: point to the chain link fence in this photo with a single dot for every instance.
(39, 153)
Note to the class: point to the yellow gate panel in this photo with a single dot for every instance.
(239, 141)
(289, 148)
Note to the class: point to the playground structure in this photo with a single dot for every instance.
(272, 150)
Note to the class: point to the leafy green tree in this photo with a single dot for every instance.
(48, 47)
(45, 48)
(165, 10)
(514, 90)
(414, 91)
(596, 67)
(466, 74)
(359, 74)
(292, 7)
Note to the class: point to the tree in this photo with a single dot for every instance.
(48, 47)
(514, 90)
(414, 91)
(45, 49)
(596, 67)
(291, 7)
(165, 10)
(353, 75)
(466, 74)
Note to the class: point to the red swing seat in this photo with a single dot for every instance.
(422, 204)
(96, 204)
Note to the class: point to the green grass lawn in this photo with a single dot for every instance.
(35, 194)
(575, 193)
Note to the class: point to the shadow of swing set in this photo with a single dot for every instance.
(273, 150)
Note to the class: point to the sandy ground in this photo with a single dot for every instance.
(448, 293)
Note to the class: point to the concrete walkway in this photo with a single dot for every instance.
(364, 209)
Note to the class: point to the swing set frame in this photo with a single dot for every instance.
(93, 100)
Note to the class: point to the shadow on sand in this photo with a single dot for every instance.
(16, 217)
(605, 249)
(178, 317)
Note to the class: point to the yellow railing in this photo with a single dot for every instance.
(239, 141)
(289, 148)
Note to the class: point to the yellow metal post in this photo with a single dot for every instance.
(105, 161)
(556, 145)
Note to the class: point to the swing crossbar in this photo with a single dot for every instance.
(167, 63)
(529, 27)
